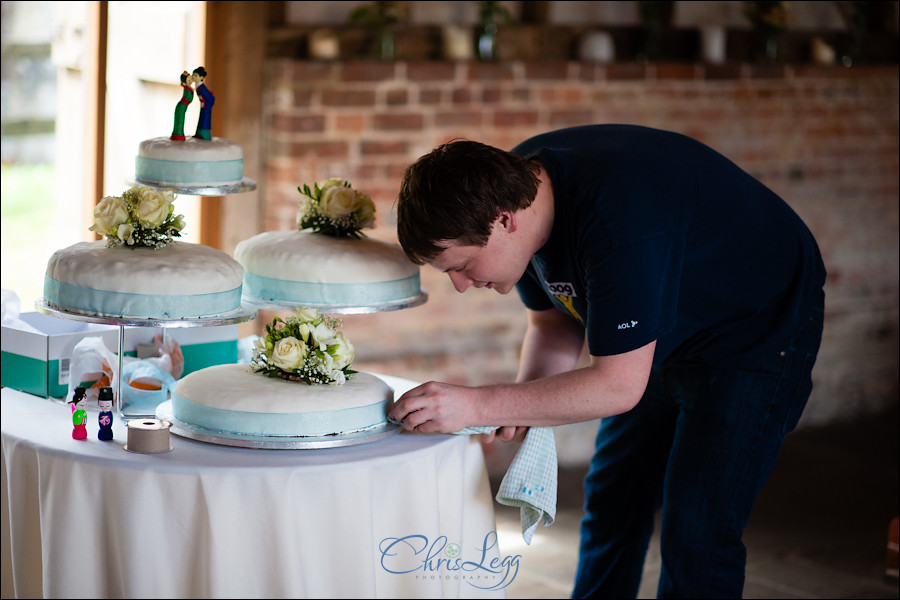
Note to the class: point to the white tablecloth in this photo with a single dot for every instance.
(87, 519)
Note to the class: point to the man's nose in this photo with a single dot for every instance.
(460, 281)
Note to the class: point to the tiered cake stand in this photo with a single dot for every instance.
(191, 431)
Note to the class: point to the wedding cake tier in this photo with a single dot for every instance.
(190, 162)
(180, 280)
(302, 267)
(299, 384)
(234, 399)
(328, 262)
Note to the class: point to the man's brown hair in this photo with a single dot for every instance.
(456, 192)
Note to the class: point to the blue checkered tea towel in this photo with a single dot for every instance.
(530, 482)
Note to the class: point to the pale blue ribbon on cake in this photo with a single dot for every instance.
(531, 480)
(271, 289)
(179, 171)
(128, 304)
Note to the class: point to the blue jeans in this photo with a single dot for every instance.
(700, 445)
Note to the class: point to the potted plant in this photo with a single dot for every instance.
(491, 14)
(381, 18)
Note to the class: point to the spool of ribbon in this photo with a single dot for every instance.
(148, 436)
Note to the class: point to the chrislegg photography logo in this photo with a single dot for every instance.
(440, 559)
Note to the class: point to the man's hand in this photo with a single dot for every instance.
(445, 408)
(435, 407)
(506, 434)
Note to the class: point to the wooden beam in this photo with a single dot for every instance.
(95, 107)
(235, 55)
(214, 62)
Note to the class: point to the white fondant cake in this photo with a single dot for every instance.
(189, 162)
(176, 281)
(233, 399)
(302, 267)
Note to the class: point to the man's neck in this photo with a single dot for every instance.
(540, 213)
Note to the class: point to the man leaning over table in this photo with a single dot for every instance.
(700, 293)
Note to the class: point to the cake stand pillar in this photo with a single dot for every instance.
(120, 401)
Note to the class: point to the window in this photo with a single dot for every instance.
(46, 112)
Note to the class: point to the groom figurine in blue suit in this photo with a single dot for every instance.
(204, 124)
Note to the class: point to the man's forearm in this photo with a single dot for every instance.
(611, 385)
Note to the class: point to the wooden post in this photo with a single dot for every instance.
(236, 34)
(214, 62)
(95, 108)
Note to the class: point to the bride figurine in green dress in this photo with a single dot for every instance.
(187, 95)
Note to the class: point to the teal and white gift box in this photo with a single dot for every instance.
(37, 362)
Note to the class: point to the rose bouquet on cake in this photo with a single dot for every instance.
(140, 217)
(306, 346)
(335, 208)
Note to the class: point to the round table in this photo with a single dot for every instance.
(408, 516)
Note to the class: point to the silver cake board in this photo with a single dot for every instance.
(245, 185)
(247, 312)
(271, 442)
(345, 309)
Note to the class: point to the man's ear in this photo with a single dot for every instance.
(507, 220)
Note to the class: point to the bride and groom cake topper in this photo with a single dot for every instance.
(191, 83)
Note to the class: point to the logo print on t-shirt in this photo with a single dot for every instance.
(565, 293)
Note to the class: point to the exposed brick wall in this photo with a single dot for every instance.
(825, 139)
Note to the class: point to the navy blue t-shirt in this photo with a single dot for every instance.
(658, 237)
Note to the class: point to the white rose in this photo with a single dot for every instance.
(109, 213)
(288, 354)
(334, 181)
(306, 314)
(124, 232)
(366, 212)
(342, 351)
(152, 207)
(338, 201)
(259, 345)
